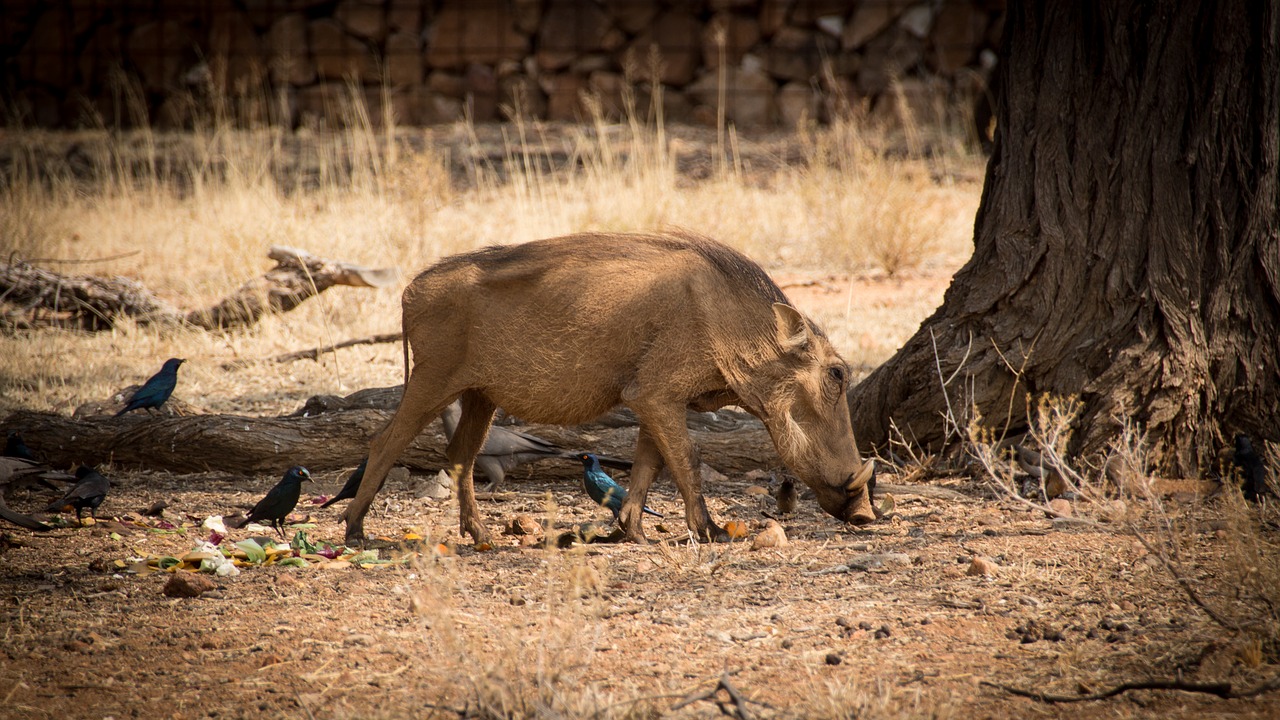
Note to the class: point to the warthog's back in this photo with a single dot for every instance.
(555, 330)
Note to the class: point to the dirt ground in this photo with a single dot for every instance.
(879, 621)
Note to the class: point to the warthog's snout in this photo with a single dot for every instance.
(858, 509)
(850, 501)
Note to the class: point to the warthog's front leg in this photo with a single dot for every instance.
(645, 466)
(666, 426)
(477, 415)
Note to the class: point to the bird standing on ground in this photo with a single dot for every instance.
(280, 500)
(506, 449)
(15, 447)
(156, 390)
(17, 473)
(1251, 468)
(89, 491)
(602, 488)
(353, 485)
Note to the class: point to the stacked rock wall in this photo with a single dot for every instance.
(766, 62)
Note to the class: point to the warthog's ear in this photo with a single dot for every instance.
(793, 330)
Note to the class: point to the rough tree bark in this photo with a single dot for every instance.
(1127, 245)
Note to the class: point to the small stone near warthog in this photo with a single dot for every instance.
(188, 585)
(439, 487)
(832, 659)
(772, 536)
(523, 524)
(882, 633)
(864, 625)
(981, 566)
(1059, 508)
(845, 622)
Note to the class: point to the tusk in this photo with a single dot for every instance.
(859, 481)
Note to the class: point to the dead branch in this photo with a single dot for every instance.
(739, 702)
(93, 303)
(297, 276)
(1224, 690)
(315, 352)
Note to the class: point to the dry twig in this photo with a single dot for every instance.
(739, 702)
(1224, 690)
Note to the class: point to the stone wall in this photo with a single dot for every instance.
(73, 63)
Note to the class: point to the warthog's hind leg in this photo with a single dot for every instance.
(646, 465)
(665, 424)
(477, 415)
(386, 448)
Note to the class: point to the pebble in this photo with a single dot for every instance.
(439, 487)
(874, 560)
(188, 585)
(1060, 508)
(771, 537)
(523, 524)
(981, 566)
(882, 633)
(832, 659)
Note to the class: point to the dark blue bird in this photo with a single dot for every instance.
(1251, 469)
(157, 389)
(602, 488)
(353, 485)
(15, 447)
(280, 500)
(89, 492)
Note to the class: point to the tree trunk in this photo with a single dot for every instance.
(1127, 246)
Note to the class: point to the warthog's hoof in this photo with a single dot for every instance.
(714, 533)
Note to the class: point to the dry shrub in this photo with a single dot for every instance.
(1234, 581)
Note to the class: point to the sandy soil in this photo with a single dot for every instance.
(816, 628)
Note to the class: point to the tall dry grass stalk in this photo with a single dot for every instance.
(191, 215)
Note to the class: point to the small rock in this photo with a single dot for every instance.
(981, 566)
(1060, 508)
(882, 633)
(788, 643)
(523, 524)
(845, 622)
(832, 659)
(771, 537)
(188, 585)
(1114, 511)
(864, 625)
(871, 561)
(439, 487)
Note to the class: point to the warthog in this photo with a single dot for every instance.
(562, 330)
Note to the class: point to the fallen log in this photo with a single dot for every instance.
(86, 302)
(324, 441)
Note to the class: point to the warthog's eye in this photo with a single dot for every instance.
(836, 374)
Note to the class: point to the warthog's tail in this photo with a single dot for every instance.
(404, 345)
